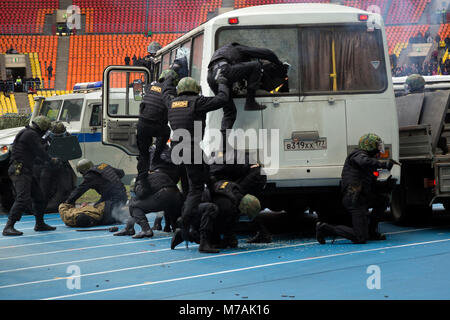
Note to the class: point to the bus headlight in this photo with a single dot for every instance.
(4, 152)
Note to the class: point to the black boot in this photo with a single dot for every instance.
(252, 105)
(205, 246)
(377, 236)
(128, 230)
(261, 237)
(42, 226)
(146, 231)
(157, 223)
(228, 241)
(9, 229)
(320, 232)
(176, 239)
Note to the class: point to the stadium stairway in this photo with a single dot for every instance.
(23, 105)
(62, 63)
(50, 20)
(2, 67)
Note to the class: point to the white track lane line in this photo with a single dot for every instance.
(54, 241)
(85, 248)
(161, 263)
(215, 256)
(156, 239)
(38, 234)
(246, 268)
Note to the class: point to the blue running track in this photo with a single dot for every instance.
(413, 263)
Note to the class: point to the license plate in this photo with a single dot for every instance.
(290, 145)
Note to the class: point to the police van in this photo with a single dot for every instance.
(81, 113)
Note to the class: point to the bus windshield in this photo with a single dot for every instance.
(324, 60)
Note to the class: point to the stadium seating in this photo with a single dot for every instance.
(179, 16)
(406, 11)
(398, 36)
(129, 16)
(249, 3)
(7, 104)
(44, 47)
(113, 16)
(24, 16)
(444, 31)
(89, 55)
(367, 4)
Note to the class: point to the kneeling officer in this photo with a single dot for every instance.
(358, 184)
(158, 193)
(104, 179)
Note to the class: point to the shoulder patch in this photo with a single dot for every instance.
(223, 185)
(180, 104)
(156, 89)
(101, 166)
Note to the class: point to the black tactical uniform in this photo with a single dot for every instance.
(184, 111)
(47, 172)
(152, 123)
(160, 193)
(106, 180)
(176, 172)
(235, 63)
(27, 147)
(358, 196)
(231, 181)
(201, 227)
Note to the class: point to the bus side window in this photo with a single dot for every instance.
(197, 52)
(96, 116)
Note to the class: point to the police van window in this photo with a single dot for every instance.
(197, 53)
(282, 41)
(71, 110)
(96, 116)
(342, 59)
(50, 109)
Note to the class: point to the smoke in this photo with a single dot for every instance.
(121, 213)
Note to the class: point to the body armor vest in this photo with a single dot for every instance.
(153, 108)
(182, 115)
(107, 172)
(228, 189)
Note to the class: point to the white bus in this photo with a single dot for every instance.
(340, 88)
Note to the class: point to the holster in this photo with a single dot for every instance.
(17, 167)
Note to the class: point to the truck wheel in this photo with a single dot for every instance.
(398, 205)
(405, 214)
